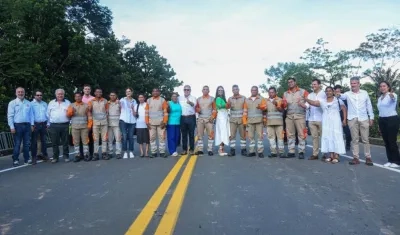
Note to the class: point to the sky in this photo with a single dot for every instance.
(221, 42)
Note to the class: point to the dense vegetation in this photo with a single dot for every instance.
(65, 44)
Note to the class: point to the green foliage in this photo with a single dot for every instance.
(277, 76)
(68, 43)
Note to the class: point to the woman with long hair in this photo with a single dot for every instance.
(222, 129)
(142, 132)
(332, 126)
(127, 123)
(389, 123)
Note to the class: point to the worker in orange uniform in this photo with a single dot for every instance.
(296, 117)
(99, 111)
(81, 123)
(236, 106)
(275, 107)
(207, 112)
(254, 120)
(156, 120)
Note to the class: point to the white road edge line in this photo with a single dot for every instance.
(361, 160)
(18, 167)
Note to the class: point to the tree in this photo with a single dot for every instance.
(329, 68)
(382, 49)
(277, 76)
(147, 69)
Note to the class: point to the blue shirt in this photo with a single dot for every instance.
(175, 112)
(19, 111)
(39, 111)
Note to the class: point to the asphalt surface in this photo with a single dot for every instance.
(225, 195)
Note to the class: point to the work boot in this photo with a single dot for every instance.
(251, 155)
(95, 157)
(163, 155)
(232, 153)
(153, 155)
(34, 160)
(243, 152)
(368, 161)
(291, 155)
(301, 155)
(210, 153)
(119, 156)
(105, 156)
(87, 158)
(272, 155)
(281, 155)
(199, 153)
(77, 158)
(261, 155)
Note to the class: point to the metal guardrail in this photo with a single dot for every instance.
(7, 142)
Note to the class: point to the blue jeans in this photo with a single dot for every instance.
(40, 131)
(127, 135)
(173, 135)
(22, 134)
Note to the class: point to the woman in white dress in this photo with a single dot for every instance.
(222, 129)
(332, 131)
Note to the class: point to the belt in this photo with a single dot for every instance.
(188, 115)
(25, 123)
(40, 122)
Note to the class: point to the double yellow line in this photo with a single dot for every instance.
(170, 217)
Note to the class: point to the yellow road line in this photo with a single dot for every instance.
(168, 221)
(142, 221)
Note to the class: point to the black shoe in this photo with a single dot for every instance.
(261, 155)
(163, 155)
(153, 155)
(301, 155)
(272, 155)
(290, 155)
(105, 156)
(243, 152)
(119, 156)
(95, 157)
(251, 155)
(232, 153)
(87, 158)
(210, 153)
(77, 158)
(348, 148)
(199, 153)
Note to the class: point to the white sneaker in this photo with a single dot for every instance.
(394, 165)
(387, 164)
(125, 155)
(175, 154)
(131, 155)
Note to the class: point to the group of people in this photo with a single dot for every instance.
(95, 119)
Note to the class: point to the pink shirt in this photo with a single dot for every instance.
(86, 99)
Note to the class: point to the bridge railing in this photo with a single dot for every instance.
(7, 142)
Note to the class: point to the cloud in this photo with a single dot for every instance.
(224, 43)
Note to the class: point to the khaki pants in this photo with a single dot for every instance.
(204, 124)
(358, 128)
(156, 131)
(100, 130)
(114, 132)
(316, 132)
(235, 126)
(292, 125)
(78, 135)
(275, 132)
(253, 130)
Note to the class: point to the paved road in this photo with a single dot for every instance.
(199, 195)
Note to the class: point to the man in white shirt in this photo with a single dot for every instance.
(360, 117)
(188, 120)
(315, 117)
(58, 124)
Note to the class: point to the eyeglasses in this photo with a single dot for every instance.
(39, 95)
(186, 89)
